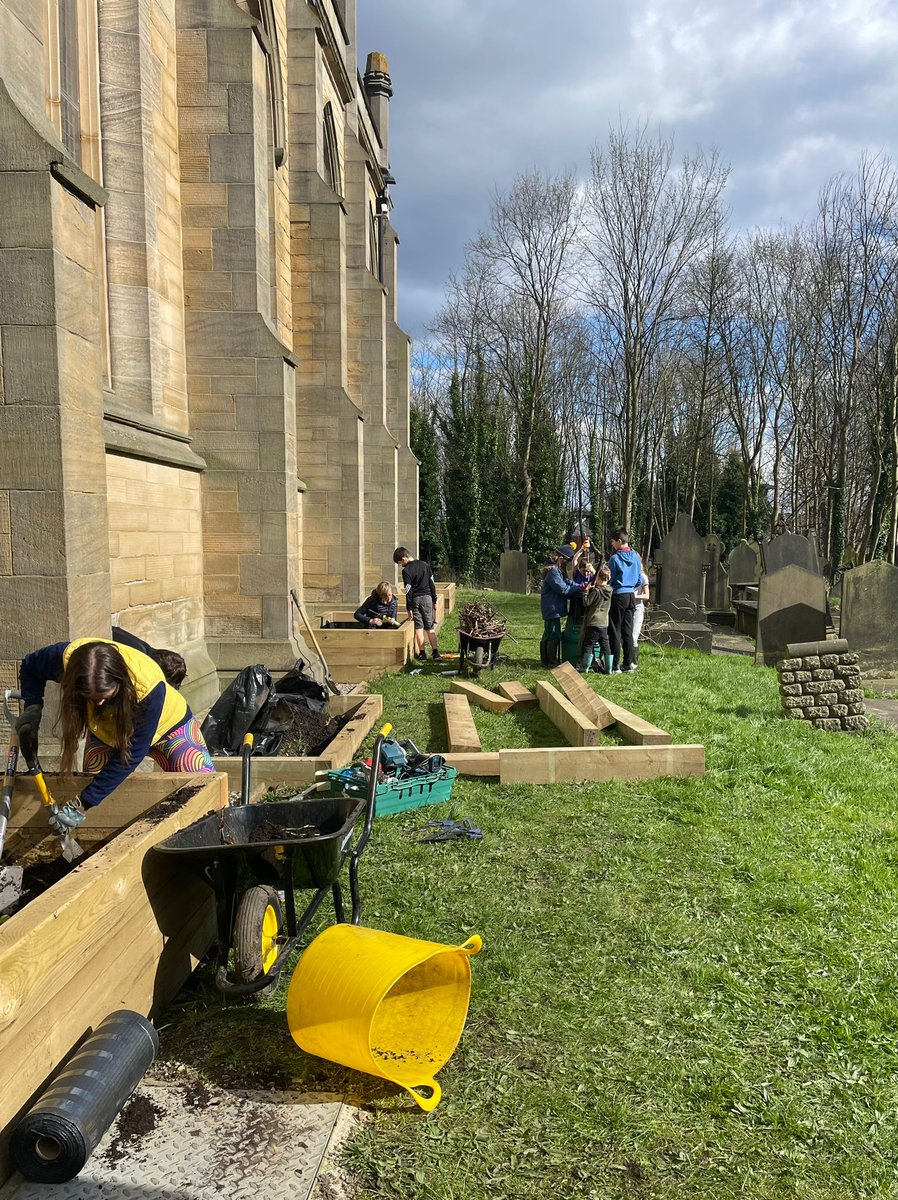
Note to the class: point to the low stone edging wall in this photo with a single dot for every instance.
(820, 682)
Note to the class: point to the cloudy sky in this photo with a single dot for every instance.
(788, 91)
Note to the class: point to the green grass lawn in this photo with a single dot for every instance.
(687, 987)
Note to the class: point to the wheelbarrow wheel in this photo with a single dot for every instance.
(260, 919)
(478, 661)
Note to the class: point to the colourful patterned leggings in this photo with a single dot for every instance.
(181, 749)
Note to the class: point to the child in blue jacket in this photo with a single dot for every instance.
(553, 603)
(380, 609)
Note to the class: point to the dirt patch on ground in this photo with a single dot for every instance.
(136, 1119)
(197, 1094)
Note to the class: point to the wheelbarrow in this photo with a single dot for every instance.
(254, 856)
(475, 653)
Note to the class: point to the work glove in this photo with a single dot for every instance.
(67, 818)
(27, 726)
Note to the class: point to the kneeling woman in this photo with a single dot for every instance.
(119, 699)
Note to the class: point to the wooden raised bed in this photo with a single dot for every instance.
(445, 602)
(354, 655)
(280, 769)
(124, 929)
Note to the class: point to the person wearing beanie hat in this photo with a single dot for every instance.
(553, 604)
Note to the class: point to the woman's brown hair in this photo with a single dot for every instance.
(93, 669)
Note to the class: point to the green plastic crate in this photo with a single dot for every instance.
(401, 794)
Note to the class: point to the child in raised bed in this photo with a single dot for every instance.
(118, 697)
(379, 610)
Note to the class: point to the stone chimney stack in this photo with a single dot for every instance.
(379, 89)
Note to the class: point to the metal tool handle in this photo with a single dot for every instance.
(9, 694)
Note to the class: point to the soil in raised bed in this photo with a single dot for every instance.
(311, 732)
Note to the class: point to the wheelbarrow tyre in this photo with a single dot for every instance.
(259, 922)
(478, 660)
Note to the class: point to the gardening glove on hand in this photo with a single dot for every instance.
(67, 818)
(27, 726)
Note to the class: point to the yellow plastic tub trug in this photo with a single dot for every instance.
(389, 1005)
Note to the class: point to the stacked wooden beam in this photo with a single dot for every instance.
(580, 715)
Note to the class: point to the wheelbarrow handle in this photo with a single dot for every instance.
(370, 811)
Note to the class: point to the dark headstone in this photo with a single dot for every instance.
(870, 616)
(791, 608)
(682, 635)
(513, 568)
(716, 597)
(789, 550)
(681, 584)
(744, 564)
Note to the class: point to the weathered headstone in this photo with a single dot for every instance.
(789, 550)
(681, 563)
(744, 564)
(870, 617)
(791, 608)
(716, 598)
(513, 568)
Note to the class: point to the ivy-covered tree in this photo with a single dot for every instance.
(461, 483)
(425, 447)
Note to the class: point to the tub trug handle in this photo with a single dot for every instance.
(428, 1103)
(473, 945)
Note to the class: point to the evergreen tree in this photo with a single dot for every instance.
(423, 441)
(485, 414)
(548, 507)
(461, 485)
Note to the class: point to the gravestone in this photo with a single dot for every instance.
(513, 568)
(716, 596)
(744, 564)
(791, 608)
(869, 618)
(681, 562)
(789, 550)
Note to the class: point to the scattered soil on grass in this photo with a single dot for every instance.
(136, 1119)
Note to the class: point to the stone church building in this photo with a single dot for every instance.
(203, 388)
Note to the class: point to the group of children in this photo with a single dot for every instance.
(607, 605)
(380, 610)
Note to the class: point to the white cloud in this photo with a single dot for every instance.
(788, 91)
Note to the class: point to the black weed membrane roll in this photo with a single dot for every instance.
(54, 1141)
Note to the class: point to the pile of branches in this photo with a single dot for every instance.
(481, 620)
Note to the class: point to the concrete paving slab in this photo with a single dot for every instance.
(885, 710)
(193, 1142)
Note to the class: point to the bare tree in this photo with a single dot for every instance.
(513, 303)
(648, 222)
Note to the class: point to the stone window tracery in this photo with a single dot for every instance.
(332, 171)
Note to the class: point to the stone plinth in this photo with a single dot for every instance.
(823, 687)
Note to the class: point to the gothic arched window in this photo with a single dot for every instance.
(332, 171)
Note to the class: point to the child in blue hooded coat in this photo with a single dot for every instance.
(625, 566)
(553, 602)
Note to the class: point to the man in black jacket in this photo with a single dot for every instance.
(420, 599)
